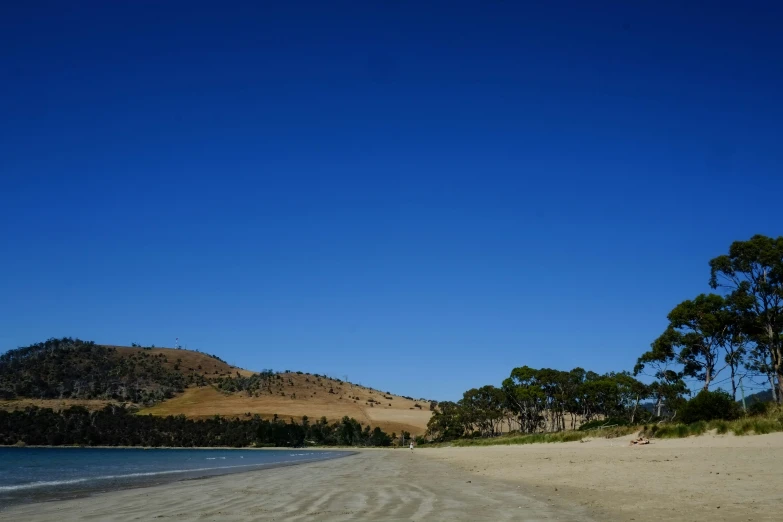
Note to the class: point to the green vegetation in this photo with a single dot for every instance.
(728, 339)
(534, 401)
(253, 385)
(710, 405)
(117, 426)
(536, 438)
(75, 369)
(743, 426)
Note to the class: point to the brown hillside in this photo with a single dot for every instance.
(188, 361)
(297, 395)
(289, 395)
(54, 404)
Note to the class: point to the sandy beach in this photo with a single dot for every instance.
(371, 485)
(706, 478)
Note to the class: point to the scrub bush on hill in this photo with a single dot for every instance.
(74, 369)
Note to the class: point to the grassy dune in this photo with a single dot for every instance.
(535, 438)
(745, 426)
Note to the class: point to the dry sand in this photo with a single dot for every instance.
(708, 478)
(705, 478)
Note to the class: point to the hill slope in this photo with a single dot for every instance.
(299, 394)
(165, 381)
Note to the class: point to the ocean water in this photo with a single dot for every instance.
(36, 474)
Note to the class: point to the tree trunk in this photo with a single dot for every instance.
(733, 383)
(776, 354)
(777, 363)
(771, 379)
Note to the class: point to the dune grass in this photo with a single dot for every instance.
(536, 438)
(532, 438)
(759, 425)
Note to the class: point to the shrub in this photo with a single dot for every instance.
(710, 405)
(721, 427)
(759, 408)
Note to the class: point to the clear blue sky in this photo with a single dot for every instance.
(418, 197)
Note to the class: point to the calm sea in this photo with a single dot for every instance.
(36, 474)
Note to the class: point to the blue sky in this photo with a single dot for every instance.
(420, 197)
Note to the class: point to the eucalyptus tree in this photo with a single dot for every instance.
(446, 422)
(483, 408)
(669, 388)
(752, 273)
(736, 343)
(525, 398)
(695, 337)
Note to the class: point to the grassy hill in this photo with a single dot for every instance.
(168, 381)
(299, 394)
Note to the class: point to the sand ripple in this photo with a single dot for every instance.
(372, 485)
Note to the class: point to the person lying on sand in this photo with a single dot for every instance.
(640, 441)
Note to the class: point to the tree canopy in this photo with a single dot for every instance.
(752, 274)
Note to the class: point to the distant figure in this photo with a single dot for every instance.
(411, 446)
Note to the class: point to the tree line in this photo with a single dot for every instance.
(118, 426)
(534, 400)
(724, 338)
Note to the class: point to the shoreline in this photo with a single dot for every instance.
(89, 486)
(706, 478)
(368, 485)
(233, 448)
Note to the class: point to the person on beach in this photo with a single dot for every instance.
(411, 445)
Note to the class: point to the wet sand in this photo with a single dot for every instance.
(371, 485)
